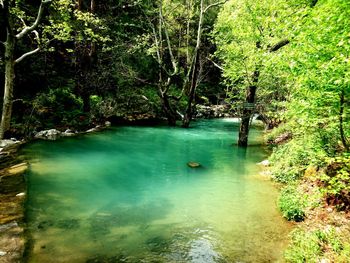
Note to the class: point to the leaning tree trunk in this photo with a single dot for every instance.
(248, 110)
(9, 83)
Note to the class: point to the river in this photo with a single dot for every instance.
(127, 195)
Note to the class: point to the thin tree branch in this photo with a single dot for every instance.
(215, 64)
(172, 58)
(279, 45)
(27, 54)
(214, 4)
(28, 29)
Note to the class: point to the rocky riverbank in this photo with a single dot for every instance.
(12, 198)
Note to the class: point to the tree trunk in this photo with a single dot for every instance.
(194, 74)
(169, 112)
(248, 111)
(9, 83)
(189, 111)
(341, 121)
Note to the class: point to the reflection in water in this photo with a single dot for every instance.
(127, 195)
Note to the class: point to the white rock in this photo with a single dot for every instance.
(20, 194)
(108, 123)
(68, 133)
(265, 163)
(5, 143)
(2, 253)
(92, 130)
(52, 134)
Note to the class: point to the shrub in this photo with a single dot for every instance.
(291, 204)
(59, 107)
(289, 161)
(304, 247)
(336, 182)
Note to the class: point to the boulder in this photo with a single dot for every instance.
(212, 111)
(52, 134)
(68, 133)
(8, 143)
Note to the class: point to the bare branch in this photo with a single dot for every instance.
(172, 58)
(214, 4)
(28, 29)
(279, 45)
(24, 23)
(215, 64)
(26, 55)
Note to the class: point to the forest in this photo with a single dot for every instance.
(73, 65)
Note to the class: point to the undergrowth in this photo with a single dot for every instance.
(316, 245)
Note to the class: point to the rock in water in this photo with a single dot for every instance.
(193, 164)
(265, 163)
(52, 134)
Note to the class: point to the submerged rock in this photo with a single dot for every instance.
(193, 164)
(68, 224)
(18, 168)
(203, 251)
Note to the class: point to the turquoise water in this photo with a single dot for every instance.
(127, 195)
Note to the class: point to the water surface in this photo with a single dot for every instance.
(127, 195)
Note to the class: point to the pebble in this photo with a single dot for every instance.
(2, 253)
(21, 194)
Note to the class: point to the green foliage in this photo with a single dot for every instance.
(318, 63)
(289, 161)
(244, 33)
(59, 108)
(273, 134)
(304, 248)
(138, 101)
(313, 246)
(291, 204)
(336, 182)
(66, 23)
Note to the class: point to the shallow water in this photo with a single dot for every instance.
(127, 195)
